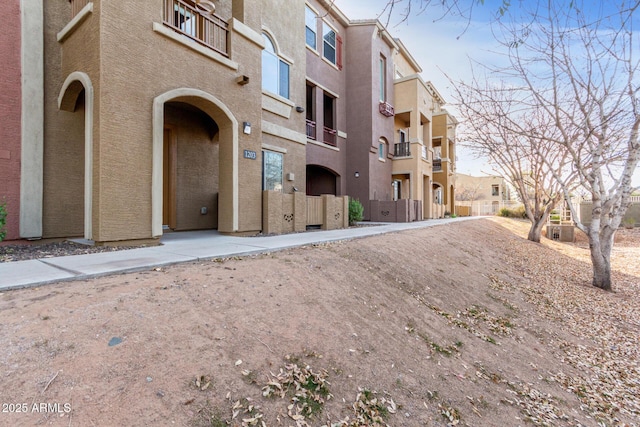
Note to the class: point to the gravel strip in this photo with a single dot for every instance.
(27, 251)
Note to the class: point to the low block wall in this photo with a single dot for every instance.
(633, 213)
(287, 213)
(403, 210)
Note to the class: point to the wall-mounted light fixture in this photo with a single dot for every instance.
(242, 80)
(357, 174)
(246, 128)
(300, 109)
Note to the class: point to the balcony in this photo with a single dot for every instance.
(330, 136)
(76, 6)
(311, 129)
(402, 149)
(386, 109)
(205, 28)
(437, 165)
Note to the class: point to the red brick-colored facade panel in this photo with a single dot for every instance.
(10, 105)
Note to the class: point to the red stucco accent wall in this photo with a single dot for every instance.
(10, 105)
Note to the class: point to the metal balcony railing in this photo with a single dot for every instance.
(311, 129)
(402, 149)
(437, 165)
(386, 109)
(205, 28)
(330, 136)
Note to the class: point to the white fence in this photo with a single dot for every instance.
(489, 207)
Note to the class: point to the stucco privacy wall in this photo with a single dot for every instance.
(10, 108)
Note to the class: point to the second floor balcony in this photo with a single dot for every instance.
(199, 24)
(311, 129)
(402, 149)
(330, 136)
(386, 109)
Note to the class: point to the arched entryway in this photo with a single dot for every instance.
(195, 163)
(76, 96)
(322, 180)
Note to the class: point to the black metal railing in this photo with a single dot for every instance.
(402, 149)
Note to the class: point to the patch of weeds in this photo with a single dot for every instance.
(371, 410)
(310, 389)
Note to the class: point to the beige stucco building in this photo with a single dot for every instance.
(159, 114)
(424, 149)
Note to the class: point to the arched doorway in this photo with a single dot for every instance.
(195, 162)
(190, 179)
(76, 96)
(321, 180)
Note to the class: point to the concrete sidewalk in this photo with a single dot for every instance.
(176, 248)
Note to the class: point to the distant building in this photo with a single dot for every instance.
(486, 194)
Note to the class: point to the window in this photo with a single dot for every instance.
(271, 171)
(331, 45)
(381, 145)
(275, 71)
(311, 26)
(383, 79)
(495, 190)
(403, 136)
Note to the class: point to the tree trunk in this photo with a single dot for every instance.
(536, 229)
(600, 245)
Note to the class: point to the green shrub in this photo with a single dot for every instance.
(518, 212)
(3, 220)
(454, 216)
(505, 212)
(356, 211)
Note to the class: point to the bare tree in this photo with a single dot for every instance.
(580, 71)
(496, 127)
(467, 194)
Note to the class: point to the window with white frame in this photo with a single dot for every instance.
(275, 71)
(381, 149)
(310, 20)
(383, 79)
(331, 45)
(272, 167)
(495, 190)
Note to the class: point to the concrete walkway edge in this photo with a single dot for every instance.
(178, 248)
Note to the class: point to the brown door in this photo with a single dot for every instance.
(169, 178)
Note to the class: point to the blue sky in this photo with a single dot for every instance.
(445, 46)
(442, 47)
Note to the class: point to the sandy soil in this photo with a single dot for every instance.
(461, 324)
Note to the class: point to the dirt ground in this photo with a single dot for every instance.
(461, 324)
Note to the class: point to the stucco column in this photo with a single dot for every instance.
(32, 120)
